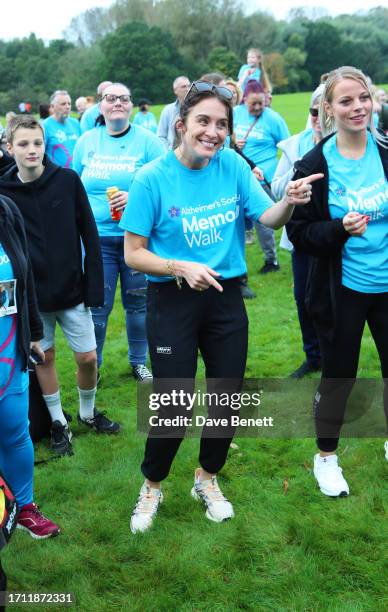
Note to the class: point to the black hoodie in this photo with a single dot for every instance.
(57, 215)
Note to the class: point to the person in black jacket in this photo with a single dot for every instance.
(20, 330)
(58, 217)
(345, 229)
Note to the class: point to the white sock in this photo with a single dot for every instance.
(86, 402)
(54, 406)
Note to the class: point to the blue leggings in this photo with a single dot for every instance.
(16, 449)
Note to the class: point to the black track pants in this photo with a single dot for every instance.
(179, 323)
(340, 360)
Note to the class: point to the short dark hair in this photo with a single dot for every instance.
(21, 121)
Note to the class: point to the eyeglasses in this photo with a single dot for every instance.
(314, 112)
(111, 98)
(201, 86)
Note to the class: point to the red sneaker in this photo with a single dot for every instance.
(37, 525)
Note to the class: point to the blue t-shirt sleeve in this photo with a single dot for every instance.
(139, 214)
(281, 130)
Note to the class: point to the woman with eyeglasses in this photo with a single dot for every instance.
(185, 228)
(107, 158)
(345, 230)
(295, 148)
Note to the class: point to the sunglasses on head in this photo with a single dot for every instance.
(314, 112)
(201, 86)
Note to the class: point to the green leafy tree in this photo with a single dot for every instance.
(324, 49)
(222, 60)
(144, 58)
(276, 70)
(298, 78)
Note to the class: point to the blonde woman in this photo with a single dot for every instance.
(345, 229)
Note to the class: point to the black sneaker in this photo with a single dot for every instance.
(100, 423)
(269, 266)
(61, 439)
(306, 368)
(142, 373)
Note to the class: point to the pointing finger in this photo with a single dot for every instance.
(312, 178)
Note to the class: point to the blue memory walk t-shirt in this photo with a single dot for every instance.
(12, 378)
(261, 143)
(196, 215)
(103, 161)
(360, 185)
(146, 120)
(60, 139)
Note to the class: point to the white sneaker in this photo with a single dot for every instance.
(386, 449)
(329, 476)
(146, 508)
(218, 508)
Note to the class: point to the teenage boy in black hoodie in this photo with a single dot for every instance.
(57, 216)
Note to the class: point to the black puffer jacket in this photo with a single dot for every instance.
(312, 231)
(13, 240)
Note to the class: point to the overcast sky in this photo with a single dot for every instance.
(48, 19)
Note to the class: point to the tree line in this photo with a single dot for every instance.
(146, 43)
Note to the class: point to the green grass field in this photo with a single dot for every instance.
(289, 548)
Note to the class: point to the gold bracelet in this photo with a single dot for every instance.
(171, 269)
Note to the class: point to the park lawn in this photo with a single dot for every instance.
(294, 551)
(289, 548)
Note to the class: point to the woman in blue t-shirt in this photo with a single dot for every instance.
(185, 225)
(20, 330)
(345, 229)
(105, 157)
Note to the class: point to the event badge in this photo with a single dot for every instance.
(8, 297)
